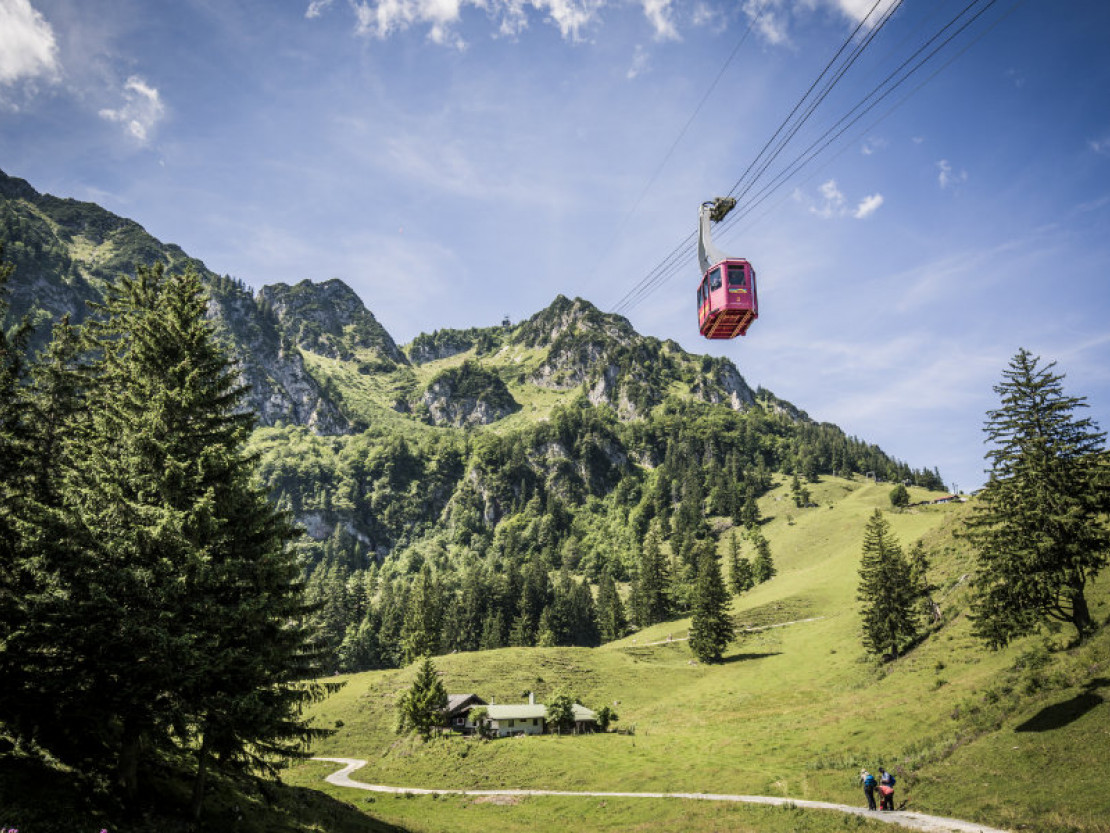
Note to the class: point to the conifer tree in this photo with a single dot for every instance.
(887, 592)
(421, 631)
(421, 708)
(612, 622)
(1037, 527)
(181, 612)
(650, 603)
(740, 575)
(17, 578)
(763, 567)
(711, 627)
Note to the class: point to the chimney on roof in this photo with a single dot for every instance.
(531, 698)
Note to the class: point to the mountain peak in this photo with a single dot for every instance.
(564, 315)
(329, 318)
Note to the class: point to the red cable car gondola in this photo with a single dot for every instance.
(727, 302)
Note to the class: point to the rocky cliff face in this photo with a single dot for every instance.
(331, 320)
(466, 396)
(619, 367)
(65, 251)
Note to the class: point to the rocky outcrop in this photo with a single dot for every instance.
(64, 251)
(467, 395)
(331, 320)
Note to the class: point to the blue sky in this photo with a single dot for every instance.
(458, 160)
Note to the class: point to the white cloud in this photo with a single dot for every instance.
(316, 8)
(27, 47)
(872, 144)
(857, 10)
(384, 18)
(868, 206)
(1100, 146)
(709, 16)
(658, 13)
(948, 177)
(639, 63)
(141, 111)
(832, 201)
(767, 19)
(772, 19)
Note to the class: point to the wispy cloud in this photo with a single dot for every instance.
(831, 202)
(1100, 146)
(659, 14)
(573, 18)
(949, 177)
(639, 63)
(768, 20)
(772, 19)
(141, 111)
(868, 206)
(27, 47)
(872, 144)
(316, 8)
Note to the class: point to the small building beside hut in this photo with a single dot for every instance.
(457, 714)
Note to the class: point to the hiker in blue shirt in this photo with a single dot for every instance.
(868, 787)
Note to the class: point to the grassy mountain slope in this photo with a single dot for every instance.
(1016, 738)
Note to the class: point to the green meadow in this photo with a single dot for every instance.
(1018, 738)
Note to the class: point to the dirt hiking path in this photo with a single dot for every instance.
(914, 821)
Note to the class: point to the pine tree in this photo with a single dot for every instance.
(421, 632)
(711, 627)
(421, 708)
(612, 622)
(649, 602)
(20, 582)
(180, 613)
(763, 567)
(1037, 527)
(740, 575)
(887, 592)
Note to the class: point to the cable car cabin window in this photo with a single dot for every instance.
(736, 277)
(715, 279)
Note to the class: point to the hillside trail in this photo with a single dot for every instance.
(904, 818)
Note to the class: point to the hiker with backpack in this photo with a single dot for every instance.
(869, 784)
(886, 789)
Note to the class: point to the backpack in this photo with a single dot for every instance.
(869, 781)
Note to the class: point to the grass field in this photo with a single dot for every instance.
(1018, 738)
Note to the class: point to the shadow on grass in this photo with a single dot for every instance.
(39, 798)
(746, 657)
(1061, 714)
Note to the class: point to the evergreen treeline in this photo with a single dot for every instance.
(151, 612)
(566, 532)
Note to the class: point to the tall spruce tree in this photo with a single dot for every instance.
(421, 631)
(887, 592)
(1037, 527)
(740, 576)
(19, 580)
(711, 627)
(650, 603)
(180, 613)
(612, 622)
(763, 566)
(421, 708)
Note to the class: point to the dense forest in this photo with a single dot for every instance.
(462, 541)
